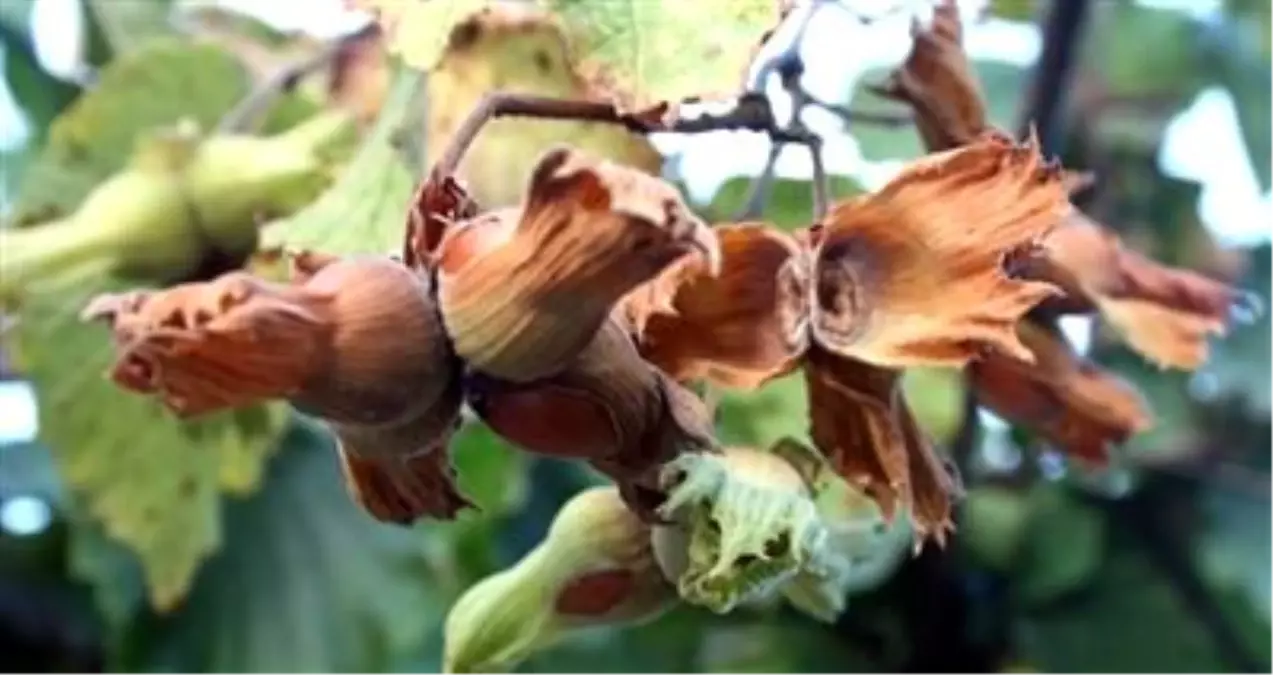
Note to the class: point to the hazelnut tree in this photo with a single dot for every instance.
(459, 260)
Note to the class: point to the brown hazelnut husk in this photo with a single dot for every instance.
(523, 291)
(356, 342)
(609, 407)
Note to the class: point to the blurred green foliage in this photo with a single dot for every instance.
(297, 578)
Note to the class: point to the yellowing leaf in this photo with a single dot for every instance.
(365, 211)
(417, 30)
(668, 49)
(522, 50)
(153, 482)
(650, 50)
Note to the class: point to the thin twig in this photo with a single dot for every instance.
(760, 188)
(790, 67)
(502, 104)
(849, 116)
(249, 111)
(821, 190)
(751, 112)
(790, 71)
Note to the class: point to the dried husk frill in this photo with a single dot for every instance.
(916, 274)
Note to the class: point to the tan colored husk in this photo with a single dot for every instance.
(1065, 398)
(919, 272)
(356, 342)
(1167, 314)
(524, 300)
(608, 406)
(739, 329)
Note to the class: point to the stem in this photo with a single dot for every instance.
(790, 73)
(759, 190)
(250, 110)
(849, 116)
(751, 112)
(504, 104)
(821, 198)
(319, 132)
(38, 251)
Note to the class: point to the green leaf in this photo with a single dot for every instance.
(1064, 545)
(993, 526)
(152, 481)
(128, 26)
(1131, 620)
(306, 582)
(652, 50)
(758, 419)
(936, 395)
(153, 87)
(788, 206)
(490, 472)
(667, 49)
(495, 476)
(365, 211)
(112, 572)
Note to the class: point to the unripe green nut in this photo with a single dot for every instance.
(595, 567)
(745, 525)
(179, 196)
